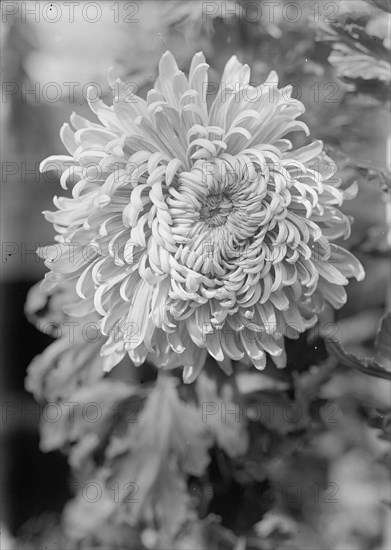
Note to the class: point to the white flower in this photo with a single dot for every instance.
(198, 230)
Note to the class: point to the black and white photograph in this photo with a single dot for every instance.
(195, 282)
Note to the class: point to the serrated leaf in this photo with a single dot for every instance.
(356, 37)
(359, 58)
(74, 358)
(85, 420)
(149, 466)
(63, 367)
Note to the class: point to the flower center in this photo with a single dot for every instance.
(216, 209)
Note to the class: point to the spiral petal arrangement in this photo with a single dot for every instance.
(196, 228)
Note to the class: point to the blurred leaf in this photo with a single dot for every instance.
(222, 416)
(360, 58)
(375, 88)
(356, 37)
(374, 174)
(85, 423)
(149, 467)
(378, 366)
(384, 5)
(368, 170)
(383, 342)
(248, 382)
(276, 411)
(276, 526)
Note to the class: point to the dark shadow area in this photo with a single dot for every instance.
(33, 482)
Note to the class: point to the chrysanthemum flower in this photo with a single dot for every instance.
(195, 230)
